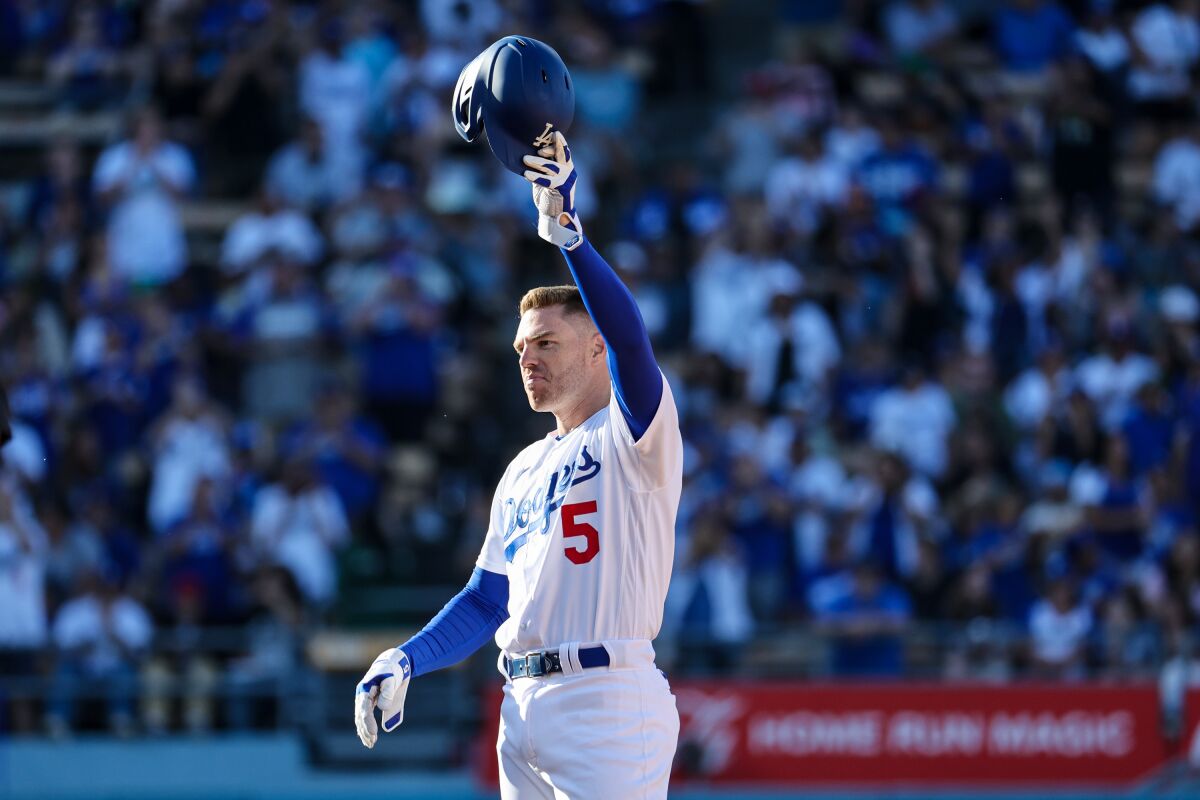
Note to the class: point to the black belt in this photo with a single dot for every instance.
(544, 662)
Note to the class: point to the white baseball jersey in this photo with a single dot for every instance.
(584, 526)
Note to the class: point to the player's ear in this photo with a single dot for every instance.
(599, 348)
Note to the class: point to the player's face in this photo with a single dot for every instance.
(553, 351)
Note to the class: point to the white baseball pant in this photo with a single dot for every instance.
(605, 732)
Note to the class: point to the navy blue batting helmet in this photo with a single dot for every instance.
(519, 92)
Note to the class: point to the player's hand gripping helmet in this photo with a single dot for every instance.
(519, 92)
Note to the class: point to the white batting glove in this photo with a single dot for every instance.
(384, 685)
(553, 176)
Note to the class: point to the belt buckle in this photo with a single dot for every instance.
(535, 664)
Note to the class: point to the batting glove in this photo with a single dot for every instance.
(553, 176)
(384, 685)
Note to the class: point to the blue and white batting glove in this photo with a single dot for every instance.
(384, 685)
(553, 176)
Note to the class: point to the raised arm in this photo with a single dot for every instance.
(462, 626)
(637, 380)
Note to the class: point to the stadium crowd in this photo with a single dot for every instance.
(924, 275)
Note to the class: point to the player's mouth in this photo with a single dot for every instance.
(530, 380)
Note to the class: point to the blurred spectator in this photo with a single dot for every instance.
(1082, 149)
(73, 550)
(303, 175)
(707, 607)
(271, 227)
(897, 175)
(24, 553)
(468, 24)
(1112, 498)
(140, 181)
(197, 568)
(60, 205)
(1059, 628)
(759, 518)
(1100, 38)
(346, 449)
(791, 352)
(895, 513)
(1031, 34)
(299, 524)
(734, 283)
(1177, 176)
(1180, 310)
(1149, 430)
(188, 444)
(1054, 515)
(100, 637)
(241, 106)
(1037, 391)
(1166, 45)
(915, 419)
(1112, 377)
(86, 70)
(397, 329)
(335, 90)
(805, 186)
(919, 26)
(607, 93)
(268, 668)
(867, 625)
(278, 331)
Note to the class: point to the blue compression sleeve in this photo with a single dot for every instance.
(635, 374)
(462, 626)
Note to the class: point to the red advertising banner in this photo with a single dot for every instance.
(916, 734)
(1191, 730)
(922, 734)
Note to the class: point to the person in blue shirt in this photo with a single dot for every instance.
(346, 449)
(868, 625)
(1031, 34)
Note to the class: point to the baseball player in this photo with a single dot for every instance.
(574, 568)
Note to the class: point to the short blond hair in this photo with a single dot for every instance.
(547, 296)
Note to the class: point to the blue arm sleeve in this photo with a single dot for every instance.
(635, 374)
(462, 626)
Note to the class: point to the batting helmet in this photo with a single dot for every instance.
(517, 90)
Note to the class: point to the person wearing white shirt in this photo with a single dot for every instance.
(1111, 378)
(800, 189)
(792, 349)
(304, 176)
(731, 286)
(141, 181)
(1167, 40)
(915, 26)
(100, 637)
(271, 226)
(1033, 393)
(1101, 40)
(914, 419)
(24, 552)
(1176, 180)
(298, 524)
(336, 91)
(819, 486)
(850, 140)
(1058, 630)
(464, 22)
(190, 443)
